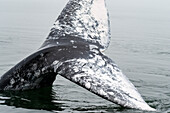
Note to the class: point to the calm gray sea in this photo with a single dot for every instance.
(140, 45)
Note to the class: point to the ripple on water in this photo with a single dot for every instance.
(163, 53)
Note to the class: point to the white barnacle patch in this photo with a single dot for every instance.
(60, 49)
(81, 53)
(87, 85)
(116, 99)
(57, 43)
(72, 41)
(92, 61)
(26, 85)
(43, 69)
(56, 65)
(101, 63)
(76, 69)
(101, 92)
(29, 74)
(55, 62)
(77, 77)
(92, 46)
(90, 55)
(109, 67)
(74, 46)
(37, 73)
(117, 69)
(12, 81)
(99, 13)
(95, 51)
(57, 25)
(91, 72)
(18, 75)
(71, 60)
(87, 69)
(34, 67)
(41, 54)
(22, 80)
(111, 93)
(79, 29)
(82, 60)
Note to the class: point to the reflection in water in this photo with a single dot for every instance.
(33, 99)
(47, 99)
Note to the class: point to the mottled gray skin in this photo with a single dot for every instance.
(85, 19)
(73, 50)
(37, 70)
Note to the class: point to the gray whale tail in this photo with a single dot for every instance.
(73, 50)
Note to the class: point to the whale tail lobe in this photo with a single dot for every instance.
(88, 21)
(100, 75)
(83, 19)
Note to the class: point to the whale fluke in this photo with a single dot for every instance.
(73, 50)
(85, 19)
(100, 75)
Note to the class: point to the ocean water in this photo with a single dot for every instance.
(140, 45)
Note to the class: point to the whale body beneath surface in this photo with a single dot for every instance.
(73, 49)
